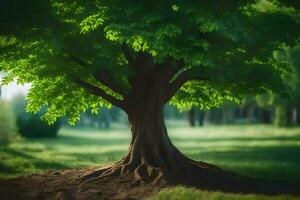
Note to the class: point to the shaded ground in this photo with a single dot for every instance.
(65, 185)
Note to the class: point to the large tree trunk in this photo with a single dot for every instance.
(151, 152)
(266, 116)
(191, 117)
(152, 158)
(201, 117)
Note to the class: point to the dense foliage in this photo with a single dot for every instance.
(220, 50)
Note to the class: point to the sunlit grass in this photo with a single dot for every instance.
(182, 193)
(258, 151)
(73, 148)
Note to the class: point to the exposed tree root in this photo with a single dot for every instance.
(190, 173)
(153, 159)
(64, 185)
(142, 173)
(185, 173)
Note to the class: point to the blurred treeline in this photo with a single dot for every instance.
(263, 109)
(278, 109)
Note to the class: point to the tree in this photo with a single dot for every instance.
(191, 117)
(140, 55)
(194, 115)
(266, 104)
(287, 109)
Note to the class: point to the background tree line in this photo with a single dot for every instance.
(267, 108)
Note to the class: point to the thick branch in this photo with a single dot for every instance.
(79, 61)
(187, 75)
(127, 54)
(172, 67)
(142, 61)
(106, 79)
(99, 92)
(103, 76)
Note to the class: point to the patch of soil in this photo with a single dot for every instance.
(68, 184)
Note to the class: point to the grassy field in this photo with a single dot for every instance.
(183, 193)
(257, 151)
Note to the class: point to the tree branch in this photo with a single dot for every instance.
(79, 61)
(127, 54)
(99, 92)
(103, 76)
(187, 75)
(172, 67)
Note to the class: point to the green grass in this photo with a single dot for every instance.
(182, 193)
(73, 148)
(257, 151)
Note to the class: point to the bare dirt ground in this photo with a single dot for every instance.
(66, 184)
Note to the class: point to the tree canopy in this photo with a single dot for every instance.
(80, 55)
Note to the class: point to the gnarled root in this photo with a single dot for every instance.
(107, 171)
(191, 173)
(178, 170)
(165, 164)
(142, 173)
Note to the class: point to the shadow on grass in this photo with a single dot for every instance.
(238, 153)
(276, 162)
(19, 166)
(238, 139)
(15, 153)
(7, 169)
(98, 158)
(23, 160)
